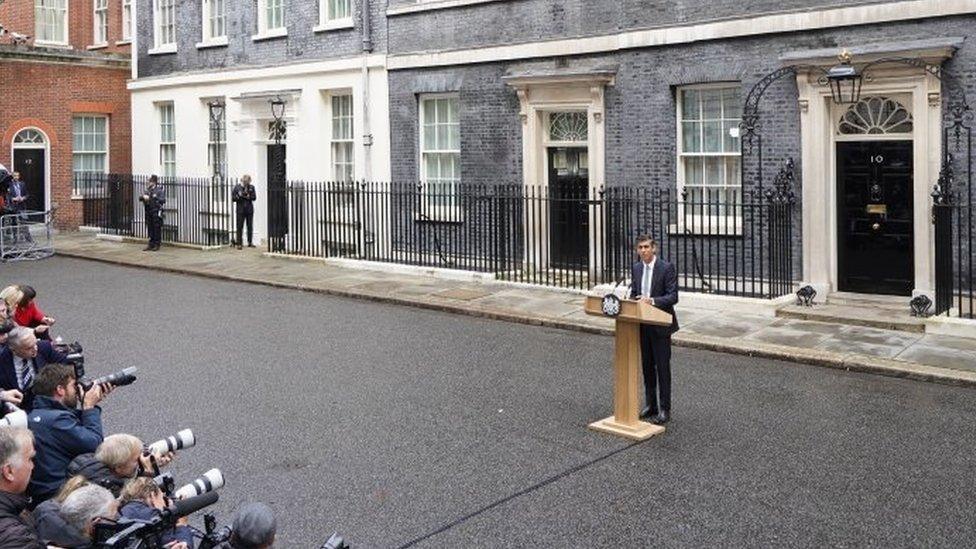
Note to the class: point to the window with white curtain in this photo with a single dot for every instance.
(167, 140)
(126, 19)
(708, 151)
(440, 149)
(164, 15)
(335, 11)
(217, 145)
(89, 150)
(100, 21)
(51, 21)
(214, 20)
(343, 161)
(271, 16)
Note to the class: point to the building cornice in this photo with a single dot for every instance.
(29, 54)
(781, 22)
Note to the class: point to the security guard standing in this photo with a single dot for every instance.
(244, 196)
(153, 201)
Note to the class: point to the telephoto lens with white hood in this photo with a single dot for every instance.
(17, 418)
(179, 441)
(210, 481)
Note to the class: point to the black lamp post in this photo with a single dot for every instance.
(216, 123)
(277, 112)
(845, 81)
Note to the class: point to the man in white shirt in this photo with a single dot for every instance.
(655, 281)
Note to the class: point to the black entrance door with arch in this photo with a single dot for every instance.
(30, 164)
(568, 220)
(875, 230)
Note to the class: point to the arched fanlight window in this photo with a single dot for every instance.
(29, 136)
(876, 116)
(568, 126)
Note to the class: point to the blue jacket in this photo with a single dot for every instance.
(664, 290)
(8, 375)
(60, 435)
(140, 511)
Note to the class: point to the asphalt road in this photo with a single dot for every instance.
(399, 426)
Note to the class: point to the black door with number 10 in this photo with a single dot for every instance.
(875, 231)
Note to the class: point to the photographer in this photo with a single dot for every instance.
(86, 507)
(254, 528)
(22, 360)
(118, 459)
(61, 431)
(16, 463)
(153, 200)
(51, 526)
(142, 499)
(244, 196)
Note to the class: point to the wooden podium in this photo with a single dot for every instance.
(626, 367)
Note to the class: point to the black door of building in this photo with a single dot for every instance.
(30, 164)
(568, 220)
(277, 199)
(875, 230)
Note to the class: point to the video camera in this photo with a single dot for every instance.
(134, 533)
(75, 356)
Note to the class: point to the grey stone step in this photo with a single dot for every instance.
(899, 304)
(856, 315)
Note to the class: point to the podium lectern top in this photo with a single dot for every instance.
(630, 311)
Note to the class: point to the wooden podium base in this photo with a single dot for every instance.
(640, 430)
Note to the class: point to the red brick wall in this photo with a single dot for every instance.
(47, 96)
(18, 16)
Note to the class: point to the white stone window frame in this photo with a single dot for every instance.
(268, 29)
(90, 152)
(331, 21)
(450, 212)
(99, 23)
(166, 114)
(164, 17)
(213, 24)
(692, 220)
(126, 22)
(40, 38)
(341, 141)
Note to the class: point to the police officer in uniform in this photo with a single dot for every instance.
(244, 195)
(153, 201)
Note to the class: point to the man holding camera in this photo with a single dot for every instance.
(244, 196)
(118, 459)
(153, 200)
(17, 530)
(20, 362)
(61, 431)
(254, 528)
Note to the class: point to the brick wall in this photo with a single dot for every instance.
(301, 45)
(47, 96)
(640, 108)
(18, 16)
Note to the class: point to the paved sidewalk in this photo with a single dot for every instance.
(889, 352)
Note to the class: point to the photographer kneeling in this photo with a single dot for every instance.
(86, 507)
(142, 499)
(118, 459)
(61, 432)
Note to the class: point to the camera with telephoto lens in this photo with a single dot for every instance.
(73, 354)
(125, 376)
(179, 441)
(208, 482)
(147, 534)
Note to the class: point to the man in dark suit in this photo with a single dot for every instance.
(244, 196)
(655, 281)
(21, 360)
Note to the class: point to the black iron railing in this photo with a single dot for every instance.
(198, 211)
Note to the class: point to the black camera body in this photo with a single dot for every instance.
(75, 356)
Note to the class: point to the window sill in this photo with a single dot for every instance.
(445, 215)
(429, 5)
(337, 24)
(269, 34)
(97, 46)
(77, 196)
(162, 50)
(701, 228)
(212, 43)
(47, 44)
(125, 42)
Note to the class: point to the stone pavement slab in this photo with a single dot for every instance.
(803, 339)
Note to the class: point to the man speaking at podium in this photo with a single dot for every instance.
(655, 281)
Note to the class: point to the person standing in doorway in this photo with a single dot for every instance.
(655, 282)
(16, 204)
(244, 196)
(153, 200)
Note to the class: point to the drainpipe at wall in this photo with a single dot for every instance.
(367, 48)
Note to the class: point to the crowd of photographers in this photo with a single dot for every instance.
(63, 483)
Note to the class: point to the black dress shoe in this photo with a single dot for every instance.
(250, 245)
(147, 249)
(646, 414)
(661, 418)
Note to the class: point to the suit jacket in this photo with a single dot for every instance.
(18, 189)
(8, 374)
(664, 291)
